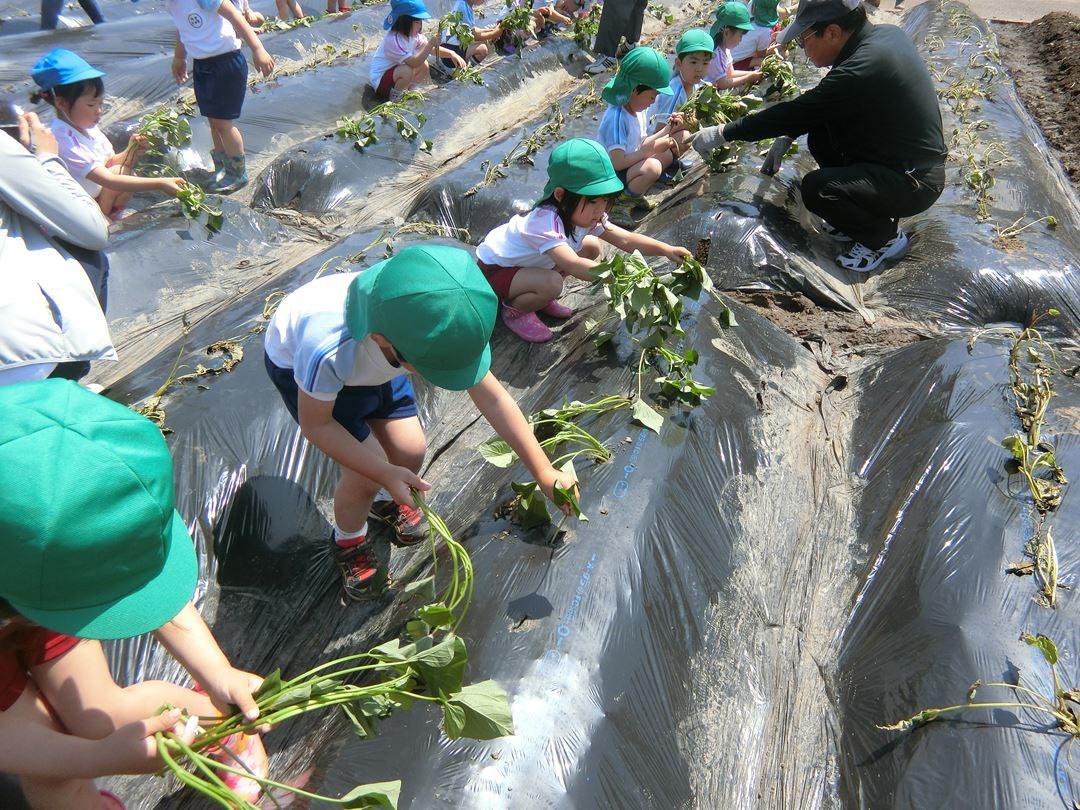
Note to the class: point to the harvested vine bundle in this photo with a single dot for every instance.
(780, 76)
(426, 664)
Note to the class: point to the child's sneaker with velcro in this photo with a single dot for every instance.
(409, 523)
(361, 575)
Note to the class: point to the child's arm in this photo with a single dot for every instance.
(446, 53)
(421, 55)
(179, 61)
(504, 415)
(738, 78)
(631, 241)
(486, 34)
(127, 182)
(570, 263)
(651, 145)
(319, 427)
(264, 63)
(189, 641)
(31, 746)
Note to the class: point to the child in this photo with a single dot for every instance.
(478, 49)
(96, 550)
(765, 17)
(338, 350)
(76, 92)
(527, 259)
(286, 9)
(639, 159)
(731, 24)
(541, 23)
(207, 30)
(400, 61)
(693, 53)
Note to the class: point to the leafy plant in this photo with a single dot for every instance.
(708, 107)
(277, 24)
(660, 12)
(388, 236)
(164, 127)
(1008, 238)
(586, 25)
(453, 26)
(402, 114)
(193, 205)
(516, 24)
(778, 72)
(428, 664)
(469, 73)
(523, 151)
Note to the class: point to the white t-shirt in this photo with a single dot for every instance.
(81, 153)
(202, 30)
(718, 67)
(308, 334)
(622, 129)
(392, 51)
(525, 239)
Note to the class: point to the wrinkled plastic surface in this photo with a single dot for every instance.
(817, 549)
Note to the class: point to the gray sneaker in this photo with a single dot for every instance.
(602, 64)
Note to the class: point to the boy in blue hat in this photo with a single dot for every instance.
(210, 32)
(338, 350)
(638, 158)
(94, 549)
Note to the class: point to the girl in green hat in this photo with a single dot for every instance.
(638, 157)
(527, 260)
(730, 26)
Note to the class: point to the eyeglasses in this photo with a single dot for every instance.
(810, 32)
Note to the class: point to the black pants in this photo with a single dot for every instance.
(865, 200)
(620, 18)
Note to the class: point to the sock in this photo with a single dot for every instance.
(346, 539)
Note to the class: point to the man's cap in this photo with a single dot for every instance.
(61, 66)
(640, 66)
(584, 167)
(434, 306)
(812, 12)
(93, 545)
(695, 40)
(405, 8)
(731, 15)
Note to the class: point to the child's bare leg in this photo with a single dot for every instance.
(41, 792)
(402, 440)
(478, 51)
(534, 288)
(81, 691)
(641, 176)
(287, 8)
(226, 136)
(355, 492)
(107, 200)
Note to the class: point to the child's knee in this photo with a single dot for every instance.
(651, 168)
(479, 51)
(552, 286)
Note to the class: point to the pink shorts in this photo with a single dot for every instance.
(386, 83)
(499, 278)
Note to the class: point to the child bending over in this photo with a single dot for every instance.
(400, 61)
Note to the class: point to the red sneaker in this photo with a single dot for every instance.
(557, 310)
(409, 524)
(358, 565)
(525, 325)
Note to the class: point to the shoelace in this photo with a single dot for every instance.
(860, 253)
(362, 564)
(408, 517)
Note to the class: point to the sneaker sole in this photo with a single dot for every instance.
(890, 256)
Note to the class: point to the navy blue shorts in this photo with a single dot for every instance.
(221, 84)
(355, 403)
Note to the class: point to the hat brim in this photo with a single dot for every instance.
(457, 379)
(142, 611)
(794, 30)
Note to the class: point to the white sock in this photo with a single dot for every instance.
(343, 538)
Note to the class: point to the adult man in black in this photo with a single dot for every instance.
(873, 125)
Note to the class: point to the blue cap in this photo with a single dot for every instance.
(61, 66)
(405, 8)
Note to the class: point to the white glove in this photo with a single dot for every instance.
(775, 157)
(708, 139)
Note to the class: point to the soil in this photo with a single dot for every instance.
(1044, 59)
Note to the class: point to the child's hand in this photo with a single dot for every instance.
(179, 69)
(399, 482)
(458, 61)
(171, 185)
(435, 41)
(138, 144)
(552, 478)
(232, 689)
(677, 253)
(264, 62)
(676, 123)
(132, 748)
(756, 77)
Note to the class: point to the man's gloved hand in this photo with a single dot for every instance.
(708, 139)
(775, 157)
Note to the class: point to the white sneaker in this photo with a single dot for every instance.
(861, 259)
(602, 64)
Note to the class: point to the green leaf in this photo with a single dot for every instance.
(727, 318)
(271, 685)
(445, 679)
(1045, 644)
(454, 720)
(373, 796)
(486, 712)
(646, 416)
(1015, 445)
(437, 615)
(567, 496)
(425, 586)
(496, 451)
(1053, 311)
(531, 510)
(415, 628)
(214, 221)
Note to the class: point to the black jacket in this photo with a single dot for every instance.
(876, 105)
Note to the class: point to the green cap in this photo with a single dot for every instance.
(695, 40)
(93, 546)
(640, 66)
(434, 306)
(582, 166)
(731, 15)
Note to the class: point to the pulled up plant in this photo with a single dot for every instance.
(709, 107)
(427, 664)
(453, 25)
(517, 24)
(586, 25)
(402, 114)
(780, 76)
